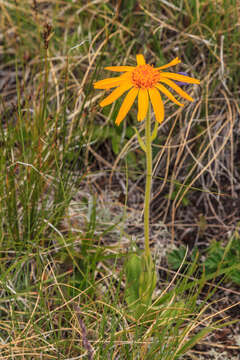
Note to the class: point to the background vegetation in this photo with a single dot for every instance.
(72, 183)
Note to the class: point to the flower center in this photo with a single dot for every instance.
(145, 76)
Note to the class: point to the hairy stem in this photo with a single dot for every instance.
(148, 142)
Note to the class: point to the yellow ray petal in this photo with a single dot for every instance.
(140, 59)
(120, 68)
(171, 63)
(108, 83)
(177, 89)
(116, 94)
(157, 104)
(168, 94)
(179, 77)
(143, 103)
(126, 105)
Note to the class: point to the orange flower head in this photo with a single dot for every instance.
(144, 81)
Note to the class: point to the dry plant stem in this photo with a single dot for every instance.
(148, 142)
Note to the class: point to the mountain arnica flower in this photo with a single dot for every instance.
(145, 82)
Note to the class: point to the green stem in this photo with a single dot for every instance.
(148, 142)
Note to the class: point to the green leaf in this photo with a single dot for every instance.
(140, 140)
(155, 131)
(133, 271)
(140, 282)
(175, 257)
(115, 144)
(147, 280)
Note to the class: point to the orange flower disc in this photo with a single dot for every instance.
(145, 76)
